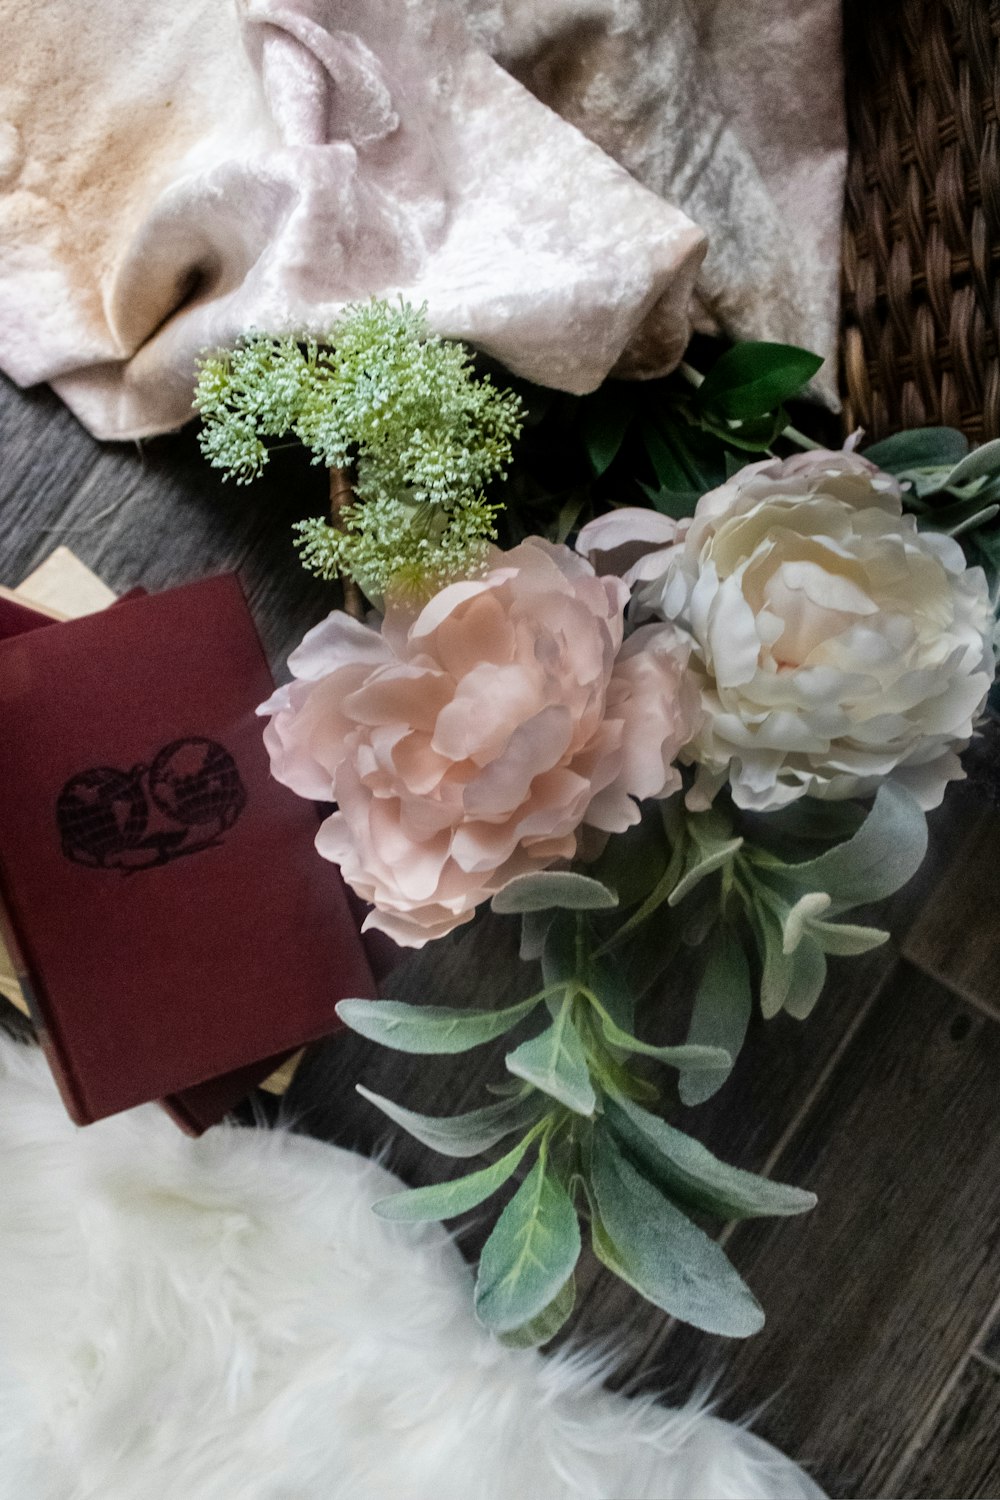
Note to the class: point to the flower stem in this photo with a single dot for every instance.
(341, 495)
(799, 439)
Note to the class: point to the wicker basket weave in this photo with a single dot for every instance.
(922, 224)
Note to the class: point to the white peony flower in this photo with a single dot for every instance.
(836, 644)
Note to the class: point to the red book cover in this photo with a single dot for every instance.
(173, 920)
(204, 1105)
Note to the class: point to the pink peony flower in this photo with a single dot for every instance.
(469, 742)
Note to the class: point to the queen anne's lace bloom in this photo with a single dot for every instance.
(471, 741)
(836, 644)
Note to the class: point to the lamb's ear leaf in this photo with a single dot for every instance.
(460, 1135)
(883, 855)
(647, 1241)
(846, 939)
(534, 927)
(924, 447)
(547, 1323)
(981, 462)
(559, 960)
(706, 863)
(806, 978)
(610, 984)
(721, 1014)
(556, 1063)
(544, 889)
(430, 1029)
(690, 1058)
(776, 965)
(531, 1253)
(446, 1200)
(689, 1173)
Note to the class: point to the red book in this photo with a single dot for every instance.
(194, 1109)
(164, 900)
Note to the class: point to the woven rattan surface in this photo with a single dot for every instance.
(922, 224)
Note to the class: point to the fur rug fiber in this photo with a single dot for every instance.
(224, 1319)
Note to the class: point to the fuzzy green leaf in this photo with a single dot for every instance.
(883, 855)
(530, 1254)
(980, 463)
(546, 889)
(689, 1173)
(806, 978)
(687, 1057)
(845, 939)
(610, 985)
(446, 1200)
(705, 860)
(647, 1241)
(459, 1135)
(428, 1029)
(924, 447)
(720, 1016)
(559, 960)
(751, 379)
(548, 1322)
(556, 1063)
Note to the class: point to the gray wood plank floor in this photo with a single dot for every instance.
(880, 1361)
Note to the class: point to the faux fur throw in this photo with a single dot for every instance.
(176, 172)
(224, 1319)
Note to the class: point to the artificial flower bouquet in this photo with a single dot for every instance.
(696, 689)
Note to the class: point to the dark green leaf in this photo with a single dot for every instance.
(606, 417)
(459, 1135)
(755, 435)
(646, 1240)
(429, 1029)
(751, 379)
(671, 474)
(691, 1174)
(673, 503)
(556, 1063)
(446, 1200)
(530, 1254)
(721, 1014)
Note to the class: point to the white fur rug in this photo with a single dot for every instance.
(223, 1319)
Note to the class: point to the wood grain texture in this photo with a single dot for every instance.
(884, 1101)
(962, 1456)
(946, 940)
(875, 1298)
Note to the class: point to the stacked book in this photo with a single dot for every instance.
(166, 920)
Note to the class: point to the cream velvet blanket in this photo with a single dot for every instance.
(175, 172)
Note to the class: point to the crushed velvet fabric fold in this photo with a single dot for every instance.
(172, 175)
